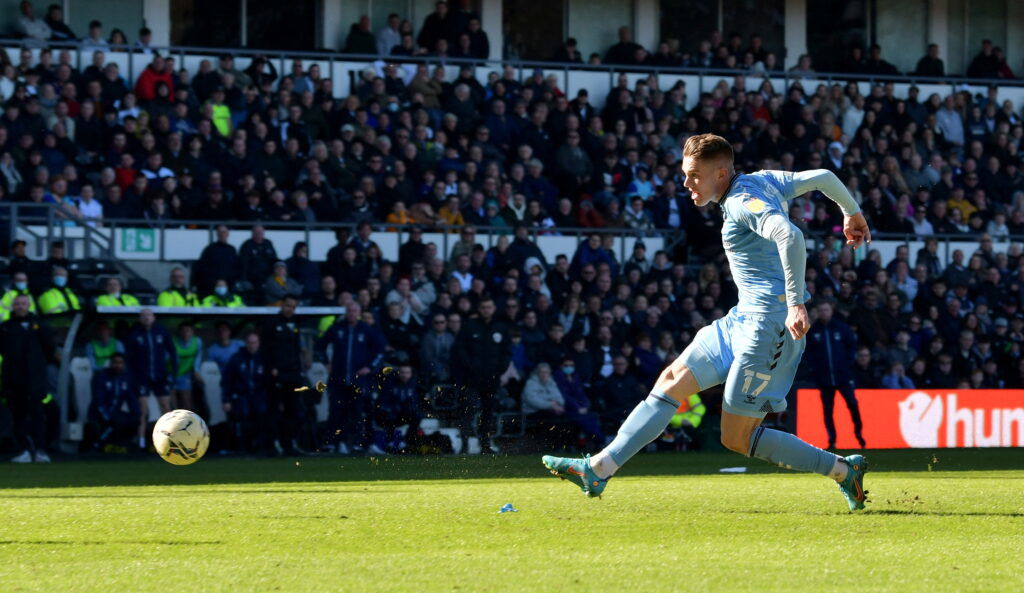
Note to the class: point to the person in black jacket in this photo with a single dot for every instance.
(398, 405)
(113, 389)
(218, 260)
(832, 346)
(931, 64)
(481, 354)
(26, 345)
(151, 356)
(282, 354)
(257, 256)
(244, 388)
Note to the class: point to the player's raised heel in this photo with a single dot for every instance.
(578, 471)
(853, 486)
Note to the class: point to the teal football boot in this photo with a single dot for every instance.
(578, 471)
(853, 486)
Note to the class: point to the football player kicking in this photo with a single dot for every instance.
(755, 349)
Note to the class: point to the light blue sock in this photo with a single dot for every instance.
(788, 451)
(645, 423)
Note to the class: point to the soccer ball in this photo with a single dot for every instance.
(181, 437)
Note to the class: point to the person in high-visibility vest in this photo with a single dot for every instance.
(114, 296)
(189, 349)
(103, 347)
(18, 287)
(685, 421)
(177, 294)
(59, 298)
(222, 296)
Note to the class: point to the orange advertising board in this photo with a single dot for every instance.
(898, 419)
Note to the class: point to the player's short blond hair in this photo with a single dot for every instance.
(708, 147)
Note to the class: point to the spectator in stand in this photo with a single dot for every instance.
(931, 64)
(360, 40)
(95, 40)
(18, 287)
(59, 298)
(114, 408)
(874, 64)
(114, 295)
(279, 285)
(244, 396)
(985, 64)
(389, 36)
(177, 294)
(150, 356)
(257, 257)
(30, 27)
(222, 296)
(623, 52)
(437, 26)
(151, 77)
(26, 347)
(59, 30)
(219, 260)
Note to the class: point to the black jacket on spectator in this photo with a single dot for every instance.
(481, 350)
(257, 260)
(218, 260)
(830, 352)
(27, 347)
(282, 349)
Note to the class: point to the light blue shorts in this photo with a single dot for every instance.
(753, 354)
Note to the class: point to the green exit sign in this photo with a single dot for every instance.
(138, 241)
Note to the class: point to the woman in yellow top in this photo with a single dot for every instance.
(399, 215)
(450, 213)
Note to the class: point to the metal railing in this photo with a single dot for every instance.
(282, 57)
(99, 241)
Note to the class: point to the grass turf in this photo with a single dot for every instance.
(950, 520)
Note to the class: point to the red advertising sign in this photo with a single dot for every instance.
(898, 419)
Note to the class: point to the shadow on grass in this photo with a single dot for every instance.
(871, 512)
(218, 470)
(64, 542)
(194, 492)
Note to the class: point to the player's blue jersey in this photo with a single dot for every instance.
(754, 260)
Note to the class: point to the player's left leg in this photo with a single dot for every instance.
(703, 364)
(766, 358)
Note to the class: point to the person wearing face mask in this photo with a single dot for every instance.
(577, 404)
(59, 298)
(115, 297)
(18, 287)
(222, 296)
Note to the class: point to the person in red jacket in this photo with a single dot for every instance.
(156, 72)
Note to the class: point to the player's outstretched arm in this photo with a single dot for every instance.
(855, 226)
(793, 253)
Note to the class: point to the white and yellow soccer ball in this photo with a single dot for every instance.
(181, 437)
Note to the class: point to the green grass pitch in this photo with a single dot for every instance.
(938, 521)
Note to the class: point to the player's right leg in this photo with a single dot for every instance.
(702, 365)
(766, 359)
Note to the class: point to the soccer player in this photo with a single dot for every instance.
(756, 347)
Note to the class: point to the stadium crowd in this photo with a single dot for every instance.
(573, 341)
